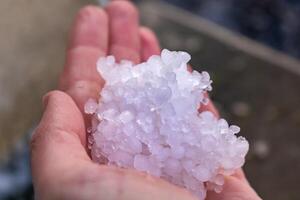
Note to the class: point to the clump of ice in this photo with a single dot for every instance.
(147, 118)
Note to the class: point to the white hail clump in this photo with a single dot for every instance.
(147, 118)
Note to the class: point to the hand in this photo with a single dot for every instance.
(61, 166)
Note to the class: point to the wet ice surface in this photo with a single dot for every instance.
(147, 118)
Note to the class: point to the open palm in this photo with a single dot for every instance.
(61, 166)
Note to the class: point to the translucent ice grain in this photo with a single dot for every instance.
(147, 118)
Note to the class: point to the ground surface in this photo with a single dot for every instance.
(251, 85)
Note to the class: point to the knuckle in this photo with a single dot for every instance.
(43, 136)
(36, 139)
(53, 93)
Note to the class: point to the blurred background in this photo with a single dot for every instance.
(250, 47)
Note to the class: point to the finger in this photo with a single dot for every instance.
(234, 188)
(58, 142)
(240, 175)
(124, 31)
(149, 43)
(88, 42)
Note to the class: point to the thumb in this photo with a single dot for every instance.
(58, 142)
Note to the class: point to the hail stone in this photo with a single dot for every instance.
(147, 118)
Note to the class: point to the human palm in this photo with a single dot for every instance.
(61, 166)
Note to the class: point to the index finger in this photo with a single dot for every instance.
(88, 42)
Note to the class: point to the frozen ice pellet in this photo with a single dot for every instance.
(147, 118)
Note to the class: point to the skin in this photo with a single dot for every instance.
(61, 166)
